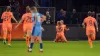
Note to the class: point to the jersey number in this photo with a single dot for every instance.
(90, 22)
(6, 18)
(28, 19)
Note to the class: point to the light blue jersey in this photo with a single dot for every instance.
(37, 27)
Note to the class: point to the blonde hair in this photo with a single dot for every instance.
(35, 9)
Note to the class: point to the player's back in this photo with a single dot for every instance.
(6, 16)
(27, 17)
(90, 22)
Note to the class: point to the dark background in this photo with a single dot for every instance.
(79, 5)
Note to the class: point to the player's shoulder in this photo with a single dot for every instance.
(56, 26)
(24, 14)
(10, 12)
(4, 12)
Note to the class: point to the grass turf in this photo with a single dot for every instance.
(72, 48)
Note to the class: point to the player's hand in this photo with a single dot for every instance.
(15, 27)
(42, 29)
(16, 21)
(68, 29)
(97, 29)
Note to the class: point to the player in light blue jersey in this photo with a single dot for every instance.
(37, 31)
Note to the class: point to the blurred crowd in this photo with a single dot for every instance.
(73, 17)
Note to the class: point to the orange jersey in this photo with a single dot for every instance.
(6, 16)
(27, 17)
(27, 26)
(61, 29)
(90, 23)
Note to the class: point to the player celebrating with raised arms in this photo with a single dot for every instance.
(27, 25)
(7, 25)
(90, 28)
(36, 32)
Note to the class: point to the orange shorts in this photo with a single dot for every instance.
(27, 27)
(7, 26)
(88, 32)
(60, 35)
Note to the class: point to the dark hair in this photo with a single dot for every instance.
(28, 9)
(89, 13)
(8, 8)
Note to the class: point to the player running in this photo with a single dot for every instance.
(90, 28)
(7, 25)
(36, 32)
(27, 25)
(60, 28)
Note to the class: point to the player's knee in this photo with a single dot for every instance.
(9, 32)
(40, 40)
(90, 35)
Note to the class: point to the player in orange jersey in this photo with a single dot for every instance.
(60, 28)
(90, 28)
(27, 25)
(7, 25)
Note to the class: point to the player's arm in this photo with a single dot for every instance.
(42, 28)
(2, 16)
(66, 28)
(83, 24)
(14, 19)
(56, 29)
(43, 18)
(19, 23)
(96, 24)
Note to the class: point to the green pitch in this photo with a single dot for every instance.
(72, 48)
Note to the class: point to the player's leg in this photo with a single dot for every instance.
(93, 35)
(90, 42)
(4, 35)
(40, 40)
(36, 39)
(34, 33)
(57, 37)
(28, 38)
(41, 44)
(31, 44)
(9, 34)
(26, 33)
(4, 28)
(64, 38)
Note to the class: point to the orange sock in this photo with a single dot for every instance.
(4, 36)
(90, 41)
(9, 38)
(27, 41)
